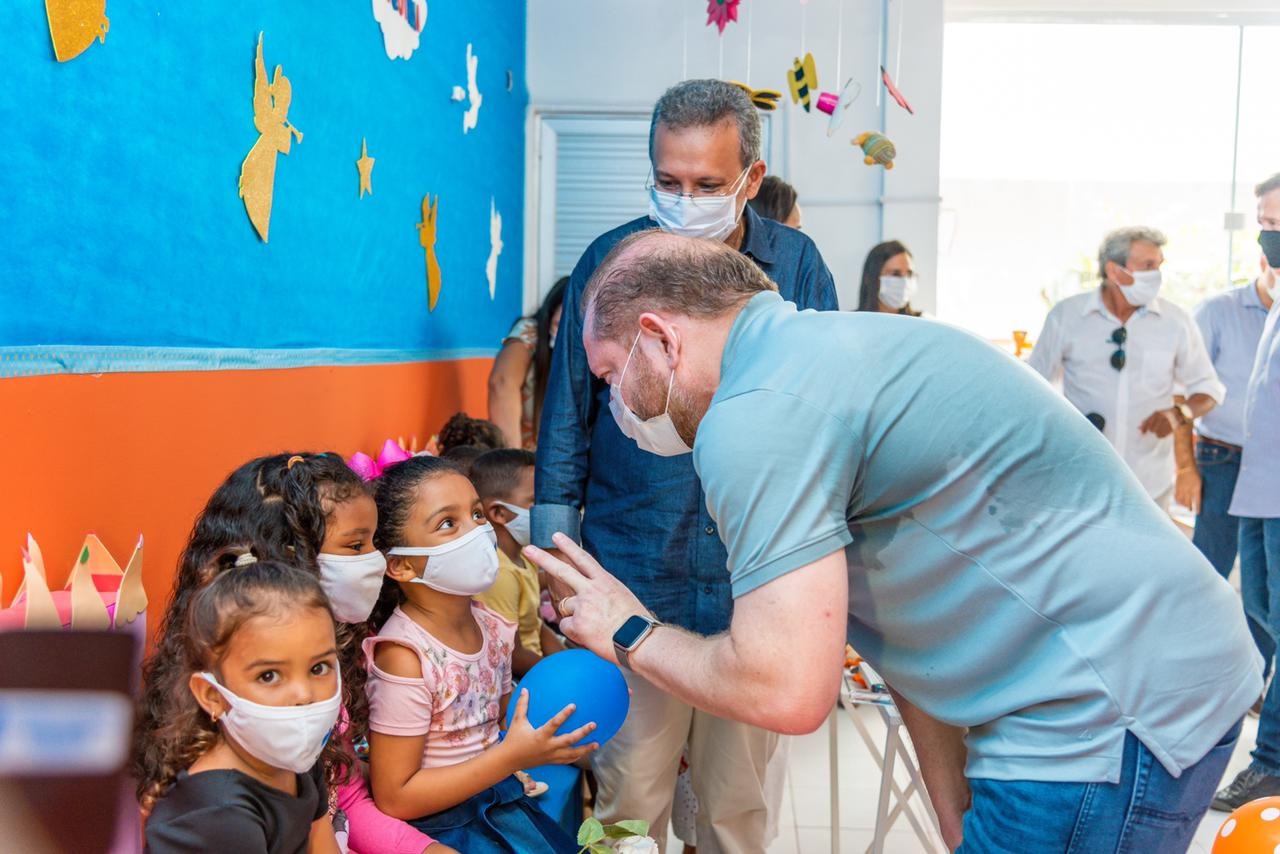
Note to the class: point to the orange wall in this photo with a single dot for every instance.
(123, 454)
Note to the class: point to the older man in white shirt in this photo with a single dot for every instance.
(1120, 354)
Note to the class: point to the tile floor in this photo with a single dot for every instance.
(805, 824)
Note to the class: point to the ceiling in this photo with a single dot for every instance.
(1117, 11)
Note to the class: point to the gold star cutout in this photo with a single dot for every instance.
(365, 165)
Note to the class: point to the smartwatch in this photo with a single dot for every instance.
(630, 635)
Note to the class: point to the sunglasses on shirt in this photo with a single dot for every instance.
(1118, 337)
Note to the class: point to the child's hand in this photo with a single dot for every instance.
(532, 787)
(529, 747)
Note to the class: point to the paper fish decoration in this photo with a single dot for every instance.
(400, 32)
(893, 91)
(364, 165)
(474, 98)
(270, 116)
(878, 148)
(427, 237)
(99, 595)
(495, 248)
(74, 24)
(803, 79)
(837, 105)
(721, 12)
(368, 468)
(764, 99)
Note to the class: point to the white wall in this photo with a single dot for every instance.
(610, 54)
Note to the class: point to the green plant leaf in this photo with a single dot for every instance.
(600, 848)
(591, 832)
(635, 826)
(612, 831)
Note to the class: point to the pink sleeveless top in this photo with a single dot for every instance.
(455, 703)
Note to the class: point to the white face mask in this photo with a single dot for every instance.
(518, 527)
(1145, 287)
(289, 737)
(657, 435)
(464, 567)
(711, 217)
(352, 583)
(897, 291)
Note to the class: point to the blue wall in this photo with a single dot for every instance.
(123, 228)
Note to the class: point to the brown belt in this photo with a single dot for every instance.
(1227, 445)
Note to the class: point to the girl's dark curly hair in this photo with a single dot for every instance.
(395, 493)
(278, 505)
(235, 595)
(462, 429)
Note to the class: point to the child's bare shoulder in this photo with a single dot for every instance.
(396, 659)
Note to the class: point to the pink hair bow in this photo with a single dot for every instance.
(368, 468)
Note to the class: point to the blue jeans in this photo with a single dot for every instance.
(1217, 532)
(1147, 811)
(1260, 586)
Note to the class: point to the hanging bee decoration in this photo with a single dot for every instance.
(803, 80)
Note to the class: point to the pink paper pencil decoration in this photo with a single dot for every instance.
(893, 91)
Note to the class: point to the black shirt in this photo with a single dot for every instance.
(229, 811)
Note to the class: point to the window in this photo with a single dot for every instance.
(1055, 133)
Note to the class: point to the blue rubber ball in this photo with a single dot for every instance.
(581, 677)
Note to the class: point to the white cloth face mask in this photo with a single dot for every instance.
(352, 583)
(464, 567)
(710, 217)
(1145, 287)
(657, 435)
(289, 737)
(897, 291)
(517, 527)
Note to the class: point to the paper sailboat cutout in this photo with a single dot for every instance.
(98, 594)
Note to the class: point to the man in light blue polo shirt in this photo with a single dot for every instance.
(1070, 667)
(1257, 503)
(1231, 324)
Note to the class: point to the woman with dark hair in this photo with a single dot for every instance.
(518, 380)
(888, 280)
(776, 200)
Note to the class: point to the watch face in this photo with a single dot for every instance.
(630, 632)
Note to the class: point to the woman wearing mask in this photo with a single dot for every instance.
(518, 380)
(888, 280)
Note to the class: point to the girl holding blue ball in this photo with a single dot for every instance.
(440, 676)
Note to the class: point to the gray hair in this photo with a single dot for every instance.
(1268, 186)
(1117, 245)
(655, 271)
(703, 103)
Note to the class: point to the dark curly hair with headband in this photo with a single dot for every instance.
(277, 505)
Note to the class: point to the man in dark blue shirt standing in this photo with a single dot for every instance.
(645, 516)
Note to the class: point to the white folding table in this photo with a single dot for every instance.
(895, 801)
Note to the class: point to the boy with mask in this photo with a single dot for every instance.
(504, 481)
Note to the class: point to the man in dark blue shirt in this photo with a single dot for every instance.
(645, 516)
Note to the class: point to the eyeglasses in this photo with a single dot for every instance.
(672, 188)
(1118, 337)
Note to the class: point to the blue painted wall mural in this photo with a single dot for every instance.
(127, 246)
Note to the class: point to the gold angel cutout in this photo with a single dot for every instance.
(270, 117)
(74, 24)
(427, 237)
